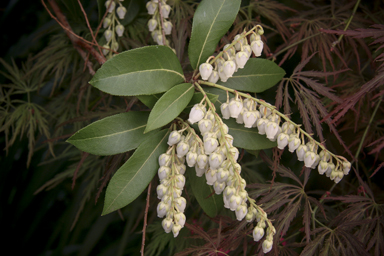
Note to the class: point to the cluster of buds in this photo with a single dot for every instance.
(267, 120)
(216, 157)
(110, 24)
(172, 181)
(158, 24)
(233, 57)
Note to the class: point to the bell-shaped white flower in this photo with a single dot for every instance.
(239, 42)
(241, 59)
(309, 158)
(293, 143)
(331, 168)
(229, 191)
(241, 211)
(222, 175)
(197, 113)
(258, 233)
(215, 160)
(250, 217)
(324, 155)
(161, 190)
(179, 218)
(339, 176)
(230, 51)
(235, 107)
(257, 46)
(234, 152)
(222, 75)
(229, 68)
(240, 119)
(163, 172)
(182, 149)
(151, 7)
(225, 110)
(179, 181)
(205, 125)
(248, 50)
(121, 11)
(152, 24)
(316, 162)
(265, 111)
(218, 187)
(282, 140)
(205, 70)
(167, 26)
(162, 209)
(159, 39)
(271, 130)
(167, 224)
(181, 168)
(288, 128)
(180, 203)
(267, 246)
(214, 77)
(110, 4)
(210, 176)
(191, 158)
(120, 30)
(165, 10)
(202, 161)
(108, 34)
(115, 46)
(234, 202)
(346, 167)
(200, 171)
(174, 138)
(261, 125)
(226, 201)
(249, 118)
(300, 152)
(323, 167)
(106, 22)
(210, 145)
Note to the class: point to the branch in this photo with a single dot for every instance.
(78, 42)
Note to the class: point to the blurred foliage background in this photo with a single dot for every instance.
(52, 194)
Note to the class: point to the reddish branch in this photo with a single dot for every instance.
(81, 45)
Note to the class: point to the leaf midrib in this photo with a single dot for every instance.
(129, 182)
(134, 72)
(109, 135)
(209, 31)
(154, 121)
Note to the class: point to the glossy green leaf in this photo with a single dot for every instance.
(211, 21)
(258, 75)
(247, 138)
(205, 195)
(133, 177)
(170, 105)
(142, 71)
(112, 135)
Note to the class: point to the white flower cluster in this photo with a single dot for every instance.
(172, 181)
(154, 24)
(268, 123)
(235, 56)
(216, 158)
(110, 24)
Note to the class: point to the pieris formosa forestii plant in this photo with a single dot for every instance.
(166, 140)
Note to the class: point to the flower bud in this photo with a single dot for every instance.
(152, 24)
(167, 224)
(214, 77)
(222, 175)
(257, 46)
(323, 167)
(267, 246)
(210, 145)
(205, 70)
(182, 149)
(235, 107)
(218, 187)
(110, 6)
(346, 167)
(151, 7)
(179, 217)
(293, 143)
(106, 22)
(180, 181)
(215, 160)
(119, 30)
(180, 203)
(162, 209)
(300, 152)
(210, 175)
(248, 50)
(241, 59)
(163, 172)
(282, 140)
(108, 34)
(174, 138)
(222, 75)
(241, 211)
(161, 190)
(230, 51)
(225, 110)
(258, 233)
(235, 202)
(229, 68)
(167, 27)
(205, 125)
(261, 124)
(191, 158)
(197, 113)
(309, 159)
(121, 11)
(165, 10)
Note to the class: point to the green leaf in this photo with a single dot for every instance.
(247, 138)
(211, 21)
(112, 135)
(170, 105)
(258, 75)
(133, 177)
(149, 100)
(142, 71)
(205, 195)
